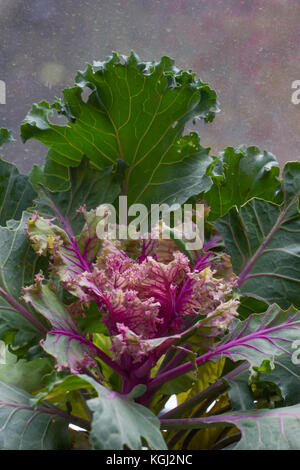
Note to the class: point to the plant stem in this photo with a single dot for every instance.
(208, 396)
(220, 349)
(168, 357)
(101, 354)
(225, 441)
(193, 423)
(192, 433)
(179, 434)
(68, 229)
(174, 361)
(218, 387)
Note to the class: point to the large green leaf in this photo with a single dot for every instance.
(11, 322)
(60, 383)
(25, 428)
(67, 392)
(136, 113)
(118, 421)
(239, 175)
(262, 239)
(264, 429)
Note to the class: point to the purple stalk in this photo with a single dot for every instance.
(24, 312)
(193, 423)
(177, 359)
(143, 254)
(262, 333)
(74, 262)
(10, 309)
(83, 264)
(101, 354)
(212, 243)
(68, 229)
(279, 276)
(63, 220)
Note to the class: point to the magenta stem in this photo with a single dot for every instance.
(101, 354)
(187, 367)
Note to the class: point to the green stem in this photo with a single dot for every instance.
(226, 441)
(194, 423)
(179, 434)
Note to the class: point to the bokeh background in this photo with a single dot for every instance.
(247, 50)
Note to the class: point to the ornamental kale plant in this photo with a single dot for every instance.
(96, 334)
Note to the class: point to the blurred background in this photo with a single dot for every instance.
(247, 50)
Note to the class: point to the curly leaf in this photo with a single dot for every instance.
(239, 175)
(136, 113)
